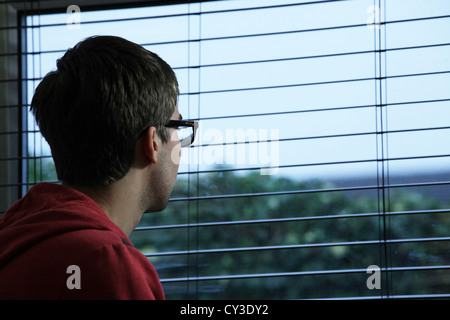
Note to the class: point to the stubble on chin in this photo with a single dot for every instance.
(153, 200)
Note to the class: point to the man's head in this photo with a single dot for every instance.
(93, 108)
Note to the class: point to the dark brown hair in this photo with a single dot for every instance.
(93, 107)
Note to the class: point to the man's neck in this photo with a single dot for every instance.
(120, 204)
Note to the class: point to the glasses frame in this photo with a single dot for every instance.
(177, 124)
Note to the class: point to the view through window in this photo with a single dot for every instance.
(322, 147)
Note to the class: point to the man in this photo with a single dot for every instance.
(109, 113)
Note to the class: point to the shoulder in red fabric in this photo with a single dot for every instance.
(57, 243)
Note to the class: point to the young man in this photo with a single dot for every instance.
(109, 113)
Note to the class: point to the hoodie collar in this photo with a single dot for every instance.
(49, 210)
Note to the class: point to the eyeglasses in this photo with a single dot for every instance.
(185, 130)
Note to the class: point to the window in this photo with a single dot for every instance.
(321, 149)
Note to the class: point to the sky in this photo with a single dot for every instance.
(306, 92)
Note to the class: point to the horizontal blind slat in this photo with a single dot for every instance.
(296, 246)
(303, 273)
(290, 219)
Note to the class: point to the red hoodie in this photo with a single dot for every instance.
(57, 243)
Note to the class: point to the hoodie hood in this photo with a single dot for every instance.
(48, 210)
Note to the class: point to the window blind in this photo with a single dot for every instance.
(322, 142)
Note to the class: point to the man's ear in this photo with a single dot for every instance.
(150, 145)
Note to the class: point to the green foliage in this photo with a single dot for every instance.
(41, 169)
(333, 219)
(319, 216)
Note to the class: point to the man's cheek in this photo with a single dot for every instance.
(175, 154)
